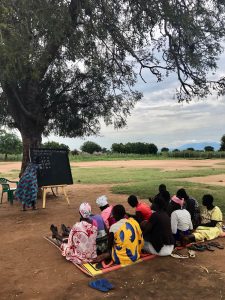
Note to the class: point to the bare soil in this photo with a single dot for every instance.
(30, 268)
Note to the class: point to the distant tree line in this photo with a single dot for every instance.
(11, 144)
(134, 148)
(143, 148)
(206, 149)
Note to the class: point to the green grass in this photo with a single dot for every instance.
(115, 156)
(193, 155)
(150, 188)
(110, 175)
(12, 175)
(126, 175)
(144, 182)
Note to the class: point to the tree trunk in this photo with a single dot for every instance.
(28, 113)
(30, 140)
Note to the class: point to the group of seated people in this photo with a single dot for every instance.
(115, 235)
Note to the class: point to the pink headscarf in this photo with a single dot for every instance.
(85, 210)
(178, 200)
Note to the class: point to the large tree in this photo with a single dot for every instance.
(64, 64)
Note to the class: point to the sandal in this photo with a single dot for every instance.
(191, 253)
(176, 254)
(197, 247)
(98, 285)
(107, 284)
(209, 247)
(102, 285)
(216, 245)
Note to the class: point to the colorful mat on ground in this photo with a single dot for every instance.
(97, 269)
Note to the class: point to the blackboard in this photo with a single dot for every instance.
(53, 166)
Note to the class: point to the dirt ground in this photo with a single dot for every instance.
(30, 268)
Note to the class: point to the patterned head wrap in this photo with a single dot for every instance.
(102, 201)
(178, 200)
(85, 210)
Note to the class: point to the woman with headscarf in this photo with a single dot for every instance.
(191, 205)
(181, 224)
(106, 211)
(81, 244)
(27, 188)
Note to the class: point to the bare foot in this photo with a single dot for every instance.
(54, 231)
(101, 257)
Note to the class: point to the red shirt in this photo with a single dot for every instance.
(145, 210)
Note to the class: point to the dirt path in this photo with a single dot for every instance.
(32, 269)
(178, 164)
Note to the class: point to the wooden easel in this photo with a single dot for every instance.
(44, 190)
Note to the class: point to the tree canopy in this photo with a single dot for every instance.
(165, 149)
(90, 147)
(65, 64)
(209, 148)
(190, 149)
(222, 143)
(9, 143)
(55, 145)
(135, 148)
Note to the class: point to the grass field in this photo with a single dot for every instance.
(144, 182)
(13, 174)
(110, 156)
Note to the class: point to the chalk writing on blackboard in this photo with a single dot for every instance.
(53, 166)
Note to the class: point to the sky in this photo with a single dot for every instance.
(158, 118)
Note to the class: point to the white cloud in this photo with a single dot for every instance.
(165, 123)
(161, 120)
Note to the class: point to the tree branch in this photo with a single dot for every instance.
(10, 89)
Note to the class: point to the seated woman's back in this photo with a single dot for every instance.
(181, 220)
(102, 237)
(81, 246)
(128, 239)
(98, 221)
(158, 238)
(160, 232)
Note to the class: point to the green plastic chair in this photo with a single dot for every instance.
(5, 183)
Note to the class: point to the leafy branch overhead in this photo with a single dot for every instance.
(66, 64)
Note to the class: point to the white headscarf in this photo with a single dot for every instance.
(85, 210)
(102, 201)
